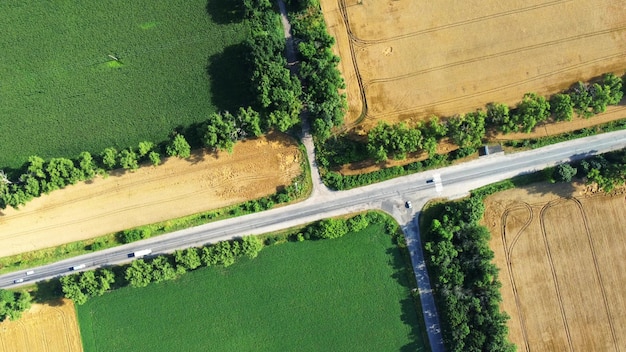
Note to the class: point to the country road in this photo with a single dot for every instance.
(388, 196)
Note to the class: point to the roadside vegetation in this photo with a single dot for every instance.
(468, 132)
(359, 281)
(458, 256)
(13, 303)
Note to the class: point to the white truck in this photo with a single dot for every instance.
(141, 253)
(78, 267)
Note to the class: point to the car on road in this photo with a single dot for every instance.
(17, 281)
(30, 272)
(78, 267)
(408, 204)
(430, 180)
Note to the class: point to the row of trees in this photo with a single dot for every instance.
(40, 176)
(81, 286)
(467, 131)
(607, 170)
(466, 286)
(278, 92)
(318, 72)
(12, 304)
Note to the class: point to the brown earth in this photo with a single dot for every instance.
(45, 328)
(406, 60)
(176, 188)
(560, 252)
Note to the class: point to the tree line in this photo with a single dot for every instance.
(321, 80)
(465, 281)
(82, 286)
(607, 170)
(468, 131)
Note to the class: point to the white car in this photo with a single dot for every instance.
(30, 272)
(18, 281)
(408, 204)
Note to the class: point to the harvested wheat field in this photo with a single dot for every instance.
(407, 59)
(561, 258)
(151, 194)
(45, 327)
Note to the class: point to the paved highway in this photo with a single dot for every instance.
(388, 196)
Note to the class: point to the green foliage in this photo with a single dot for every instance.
(529, 112)
(139, 273)
(606, 170)
(581, 99)
(329, 228)
(392, 140)
(80, 287)
(347, 278)
(179, 147)
(87, 166)
(251, 246)
(468, 130)
(145, 147)
(188, 259)
(155, 158)
(109, 158)
(497, 114)
(128, 236)
(466, 286)
(562, 107)
(613, 85)
(318, 70)
(128, 160)
(12, 304)
(564, 173)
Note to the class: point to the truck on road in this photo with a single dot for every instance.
(78, 267)
(141, 253)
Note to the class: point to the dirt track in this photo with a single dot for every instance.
(177, 188)
(560, 255)
(44, 328)
(405, 60)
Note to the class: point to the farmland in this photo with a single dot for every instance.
(85, 76)
(560, 252)
(406, 60)
(256, 168)
(45, 327)
(344, 294)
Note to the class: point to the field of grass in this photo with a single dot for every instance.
(347, 294)
(61, 92)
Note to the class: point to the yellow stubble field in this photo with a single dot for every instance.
(561, 259)
(404, 60)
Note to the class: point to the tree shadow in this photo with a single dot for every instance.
(48, 292)
(225, 12)
(230, 78)
(411, 314)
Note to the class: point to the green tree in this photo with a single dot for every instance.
(330, 228)
(109, 158)
(162, 269)
(251, 246)
(139, 273)
(128, 159)
(497, 114)
(12, 304)
(189, 259)
(600, 98)
(613, 85)
(581, 99)
(467, 131)
(155, 158)
(562, 107)
(145, 148)
(178, 147)
(565, 173)
(87, 165)
(530, 111)
(36, 167)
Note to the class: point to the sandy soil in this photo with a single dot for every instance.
(406, 60)
(151, 194)
(48, 328)
(560, 252)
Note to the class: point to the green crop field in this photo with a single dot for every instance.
(347, 294)
(61, 92)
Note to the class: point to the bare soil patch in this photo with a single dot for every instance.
(560, 252)
(406, 60)
(256, 168)
(44, 328)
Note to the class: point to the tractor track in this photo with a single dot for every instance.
(508, 252)
(453, 25)
(553, 270)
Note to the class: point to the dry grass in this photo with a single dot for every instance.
(405, 60)
(177, 188)
(45, 327)
(561, 253)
